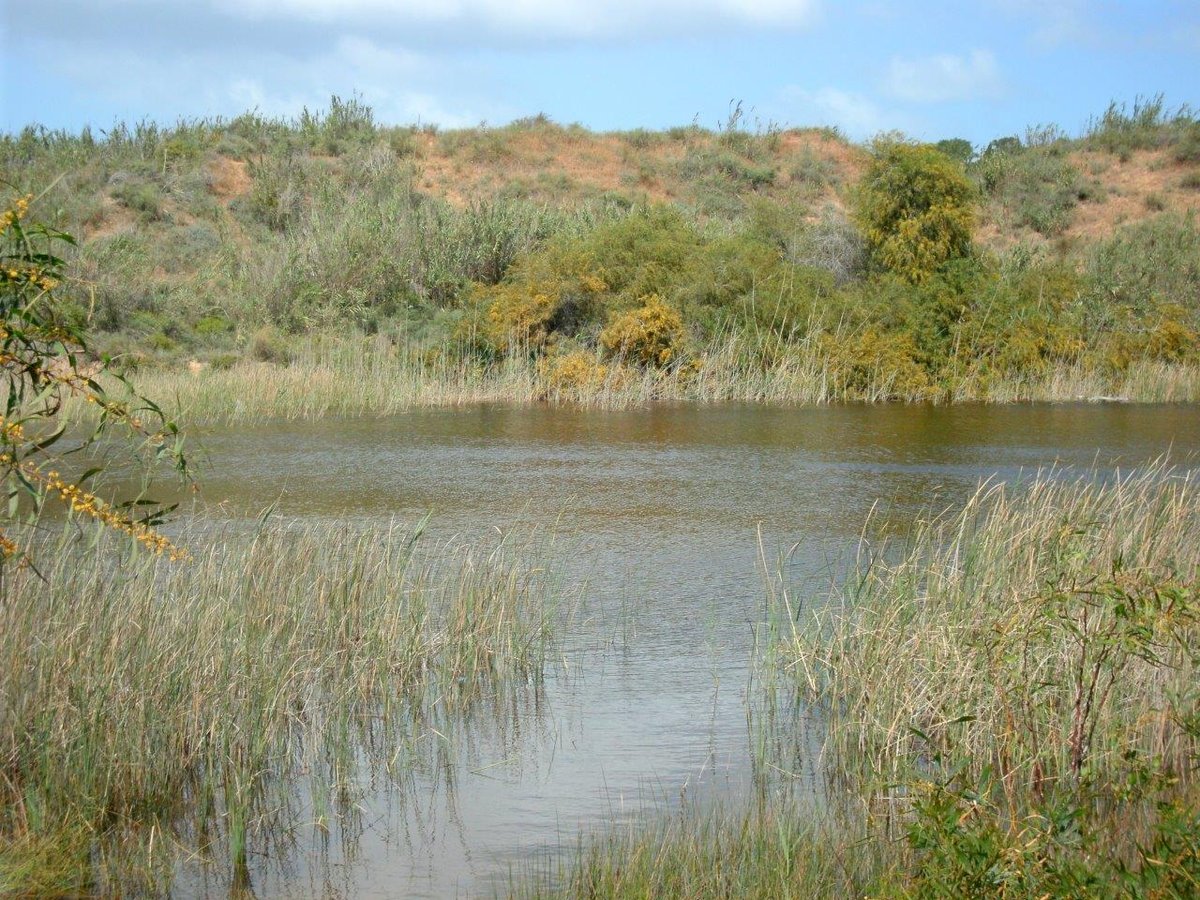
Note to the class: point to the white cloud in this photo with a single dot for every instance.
(936, 79)
(857, 116)
(532, 19)
(400, 85)
(1053, 22)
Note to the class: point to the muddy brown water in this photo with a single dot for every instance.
(646, 700)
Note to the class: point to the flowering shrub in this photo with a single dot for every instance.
(652, 334)
(43, 362)
(575, 374)
(877, 366)
(916, 208)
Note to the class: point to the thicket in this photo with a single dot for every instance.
(229, 240)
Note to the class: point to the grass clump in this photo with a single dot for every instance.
(1148, 125)
(773, 852)
(1015, 689)
(155, 710)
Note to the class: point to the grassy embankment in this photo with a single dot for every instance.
(158, 714)
(248, 264)
(1013, 710)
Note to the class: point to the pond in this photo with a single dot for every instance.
(671, 517)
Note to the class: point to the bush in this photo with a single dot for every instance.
(576, 373)
(1187, 149)
(1142, 268)
(916, 209)
(1037, 187)
(875, 365)
(958, 149)
(268, 345)
(1146, 127)
(137, 195)
(652, 334)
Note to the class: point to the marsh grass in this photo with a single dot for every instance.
(157, 711)
(365, 376)
(1008, 693)
(777, 851)
(966, 641)
(1011, 689)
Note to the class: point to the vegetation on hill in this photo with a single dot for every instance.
(639, 264)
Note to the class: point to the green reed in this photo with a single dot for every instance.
(153, 709)
(356, 376)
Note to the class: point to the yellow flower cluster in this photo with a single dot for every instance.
(13, 432)
(8, 547)
(16, 212)
(89, 504)
(33, 275)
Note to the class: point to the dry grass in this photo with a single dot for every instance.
(971, 639)
(357, 377)
(152, 709)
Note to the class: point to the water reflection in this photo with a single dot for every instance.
(667, 507)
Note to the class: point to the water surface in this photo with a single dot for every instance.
(669, 512)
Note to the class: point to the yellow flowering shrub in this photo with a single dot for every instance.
(575, 374)
(652, 335)
(542, 294)
(1173, 338)
(519, 316)
(876, 365)
(43, 361)
(916, 208)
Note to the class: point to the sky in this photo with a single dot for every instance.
(977, 70)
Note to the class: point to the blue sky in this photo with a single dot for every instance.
(936, 69)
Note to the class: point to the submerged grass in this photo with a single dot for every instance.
(154, 711)
(1012, 708)
(769, 853)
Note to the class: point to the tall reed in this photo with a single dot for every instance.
(192, 701)
(335, 377)
(1037, 632)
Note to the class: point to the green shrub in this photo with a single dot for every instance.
(812, 171)
(1187, 148)
(1038, 187)
(213, 325)
(278, 190)
(1141, 268)
(140, 196)
(268, 345)
(958, 149)
(916, 209)
(1146, 127)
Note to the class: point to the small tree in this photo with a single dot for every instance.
(916, 209)
(959, 149)
(43, 362)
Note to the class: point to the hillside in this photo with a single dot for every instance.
(212, 242)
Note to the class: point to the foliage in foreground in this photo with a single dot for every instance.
(44, 362)
(1018, 688)
(207, 710)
